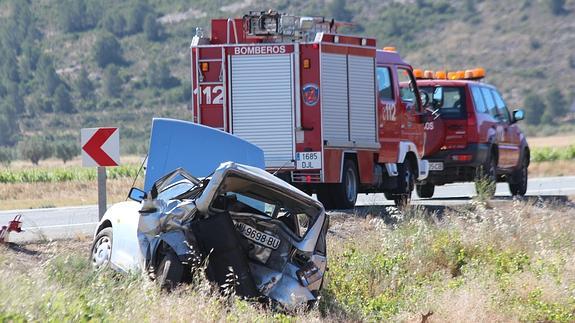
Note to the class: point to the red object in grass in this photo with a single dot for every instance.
(13, 226)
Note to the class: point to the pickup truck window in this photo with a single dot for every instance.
(453, 105)
(501, 107)
(478, 100)
(384, 87)
(489, 102)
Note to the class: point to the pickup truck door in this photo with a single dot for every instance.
(510, 137)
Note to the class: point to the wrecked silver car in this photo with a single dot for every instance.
(240, 222)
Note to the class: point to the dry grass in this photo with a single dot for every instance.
(552, 141)
(39, 195)
(552, 168)
(513, 262)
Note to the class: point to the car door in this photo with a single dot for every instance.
(510, 138)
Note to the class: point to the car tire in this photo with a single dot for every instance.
(518, 180)
(345, 193)
(405, 184)
(425, 190)
(170, 271)
(101, 251)
(487, 176)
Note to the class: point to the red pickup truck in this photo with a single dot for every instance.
(472, 133)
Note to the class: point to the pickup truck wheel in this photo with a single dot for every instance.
(102, 249)
(405, 184)
(170, 271)
(518, 180)
(344, 194)
(425, 190)
(486, 180)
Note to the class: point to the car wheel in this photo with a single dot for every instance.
(170, 272)
(345, 193)
(518, 180)
(102, 249)
(406, 183)
(425, 190)
(486, 181)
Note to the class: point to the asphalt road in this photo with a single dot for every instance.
(80, 221)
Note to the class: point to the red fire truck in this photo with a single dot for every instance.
(326, 108)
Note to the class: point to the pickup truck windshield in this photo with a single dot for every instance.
(453, 105)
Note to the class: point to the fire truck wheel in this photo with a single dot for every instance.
(425, 190)
(102, 249)
(486, 181)
(170, 271)
(344, 194)
(518, 180)
(405, 184)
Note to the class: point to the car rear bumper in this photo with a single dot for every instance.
(458, 164)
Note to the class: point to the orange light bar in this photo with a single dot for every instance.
(440, 75)
(479, 72)
(428, 74)
(460, 75)
(306, 63)
(205, 66)
(418, 73)
(452, 75)
(389, 49)
(469, 74)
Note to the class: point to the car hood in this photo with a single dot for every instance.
(196, 148)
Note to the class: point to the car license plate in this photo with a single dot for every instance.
(308, 160)
(264, 239)
(437, 166)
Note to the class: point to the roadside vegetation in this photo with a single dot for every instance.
(510, 262)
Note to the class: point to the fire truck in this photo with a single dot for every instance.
(326, 108)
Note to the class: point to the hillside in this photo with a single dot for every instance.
(53, 79)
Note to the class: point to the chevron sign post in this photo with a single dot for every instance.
(100, 148)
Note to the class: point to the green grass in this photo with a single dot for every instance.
(509, 263)
(552, 154)
(50, 175)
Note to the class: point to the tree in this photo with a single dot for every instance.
(534, 107)
(556, 6)
(84, 86)
(115, 23)
(556, 106)
(62, 101)
(6, 156)
(8, 125)
(66, 151)
(47, 75)
(107, 50)
(159, 75)
(112, 82)
(152, 29)
(339, 12)
(35, 149)
(136, 17)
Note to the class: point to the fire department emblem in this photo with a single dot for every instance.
(310, 94)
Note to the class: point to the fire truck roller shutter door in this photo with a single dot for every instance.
(361, 71)
(262, 104)
(335, 114)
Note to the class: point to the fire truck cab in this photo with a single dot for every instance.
(327, 109)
